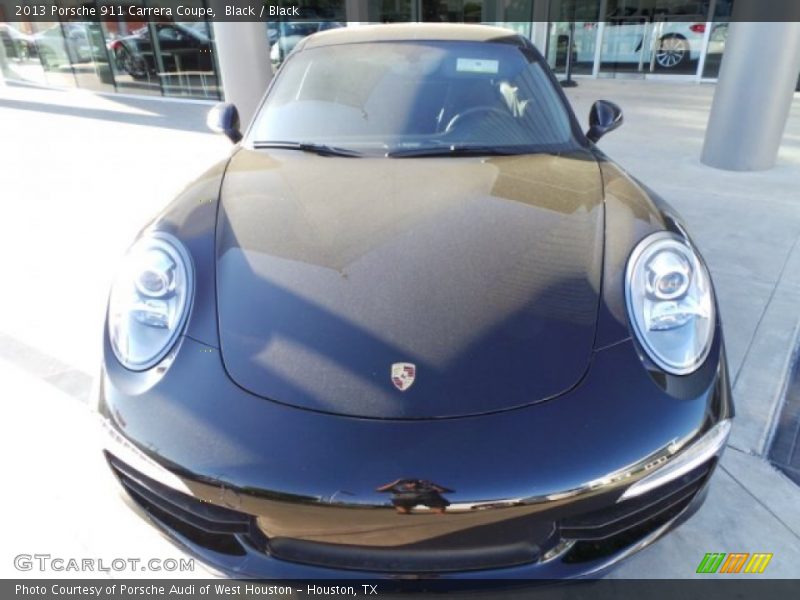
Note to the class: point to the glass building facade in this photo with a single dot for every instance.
(601, 38)
(163, 59)
(638, 38)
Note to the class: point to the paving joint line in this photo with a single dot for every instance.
(760, 502)
(50, 378)
(766, 308)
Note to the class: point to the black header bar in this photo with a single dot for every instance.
(492, 11)
(604, 589)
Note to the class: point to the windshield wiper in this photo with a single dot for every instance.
(321, 149)
(453, 150)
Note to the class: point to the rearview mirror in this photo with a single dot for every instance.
(604, 116)
(224, 118)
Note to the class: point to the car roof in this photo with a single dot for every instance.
(396, 32)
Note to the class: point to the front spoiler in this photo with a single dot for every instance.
(210, 440)
(258, 565)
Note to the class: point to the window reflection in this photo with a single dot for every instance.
(19, 54)
(392, 11)
(56, 49)
(167, 58)
(636, 37)
(455, 11)
(178, 58)
(289, 34)
(285, 35)
(717, 38)
(584, 15)
(173, 58)
(315, 15)
(657, 36)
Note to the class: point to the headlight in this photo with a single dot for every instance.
(150, 301)
(670, 302)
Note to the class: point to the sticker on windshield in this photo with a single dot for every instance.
(477, 65)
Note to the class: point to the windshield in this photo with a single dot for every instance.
(398, 98)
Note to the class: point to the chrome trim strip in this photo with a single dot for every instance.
(118, 445)
(676, 466)
(623, 475)
(115, 443)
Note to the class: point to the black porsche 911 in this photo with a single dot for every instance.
(417, 324)
(181, 47)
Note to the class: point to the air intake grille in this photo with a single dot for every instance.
(604, 532)
(208, 525)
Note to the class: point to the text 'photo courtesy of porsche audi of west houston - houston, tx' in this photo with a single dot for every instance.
(416, 323)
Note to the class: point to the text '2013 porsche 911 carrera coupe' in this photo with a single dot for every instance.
(416, 324)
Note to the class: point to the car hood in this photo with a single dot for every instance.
(483, 273)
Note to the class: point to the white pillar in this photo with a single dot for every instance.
(540, 25)
(753, 96)
(539, 32)
(245, 68)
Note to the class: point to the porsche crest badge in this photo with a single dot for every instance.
(403, 375)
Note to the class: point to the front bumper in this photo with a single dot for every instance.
(257, 489)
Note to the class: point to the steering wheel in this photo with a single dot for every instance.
(459, 118)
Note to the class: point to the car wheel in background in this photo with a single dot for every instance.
(673, 51)
(132, 65)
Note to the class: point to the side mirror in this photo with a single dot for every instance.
(604, 116)
(224, 118)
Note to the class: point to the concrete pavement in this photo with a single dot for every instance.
(59, 498)
(81, 174)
